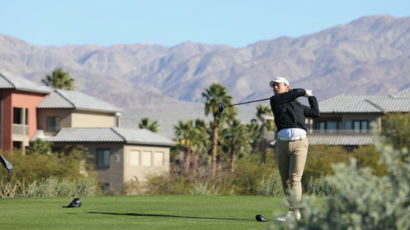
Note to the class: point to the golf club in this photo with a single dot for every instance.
(221, 106)
(6, 164)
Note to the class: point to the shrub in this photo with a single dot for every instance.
(50, 187)
(244, 181)
(12, 189)
(167, 184)
(39, 146)
(395, 129)
(320, 159)
(363, 200)
(320, 187)
(201, 188)
(271, 186)
(54, 187)
(132, 187)
(369, 156)
(37, 167)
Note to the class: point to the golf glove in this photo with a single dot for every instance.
(309, 92)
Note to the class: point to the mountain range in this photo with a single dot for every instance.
(370, 55)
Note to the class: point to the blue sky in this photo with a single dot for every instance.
(230, 22)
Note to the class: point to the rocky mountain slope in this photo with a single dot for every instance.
(367, 56)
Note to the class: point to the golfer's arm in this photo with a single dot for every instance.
(313, 110)
(288, 96)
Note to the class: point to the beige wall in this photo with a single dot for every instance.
(127, 162)
(115, 173)
(141, 161)
(112, 175)
(92, 119)
(70, 118)
(63, 114)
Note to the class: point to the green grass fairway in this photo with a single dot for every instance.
(140, 212)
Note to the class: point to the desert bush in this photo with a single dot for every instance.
(168, 184)
(50, 187)
(363, 200)
(55, 187)
(396, 129)
(320, 159)
(369, 156)
(201, 188)
(320, 187)
(249, 173)
(132, 187)
(12, 189)
(271, 185)
(38, 166)
(244, 181)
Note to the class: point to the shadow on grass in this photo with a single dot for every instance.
(169, 216)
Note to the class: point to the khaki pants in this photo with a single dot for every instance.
(291, 156)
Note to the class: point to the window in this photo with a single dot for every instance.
(103, 158)
(158, 159)
(328, 126)
(134, 158)
(146, 159)
(348, 125)
(360, 126)
(52, 124)
(17, 115)
(322, 125)
(105, 187)
(26, 114)
(17, 144)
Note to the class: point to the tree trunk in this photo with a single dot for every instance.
(187, 159)
(214, 146)
(195, 161)
(195, 164)
(263, 158)
(233, 155)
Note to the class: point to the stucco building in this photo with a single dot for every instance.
(62, 117)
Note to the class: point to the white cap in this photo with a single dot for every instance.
(279, 80)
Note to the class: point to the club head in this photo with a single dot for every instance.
(260, 218)
(6, 164)
(221, 107)
(76, 203)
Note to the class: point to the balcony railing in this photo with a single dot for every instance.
(19, 128)
(341, 131)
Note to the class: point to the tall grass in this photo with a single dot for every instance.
(50, 187)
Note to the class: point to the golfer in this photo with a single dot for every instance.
(291, 144)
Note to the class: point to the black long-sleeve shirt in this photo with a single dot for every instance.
(291, 114)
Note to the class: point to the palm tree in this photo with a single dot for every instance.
(238, 136)
(266, 125)
(254, 131)
(59, 80)
(200, 141)
(183, 135)
(214, 95)
(146, 124)
(39, 147)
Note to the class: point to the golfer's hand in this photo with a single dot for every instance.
(309, 93)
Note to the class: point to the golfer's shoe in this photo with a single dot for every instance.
(289, 215)
(260, 218)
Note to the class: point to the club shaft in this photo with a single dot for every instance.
(247, 102)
